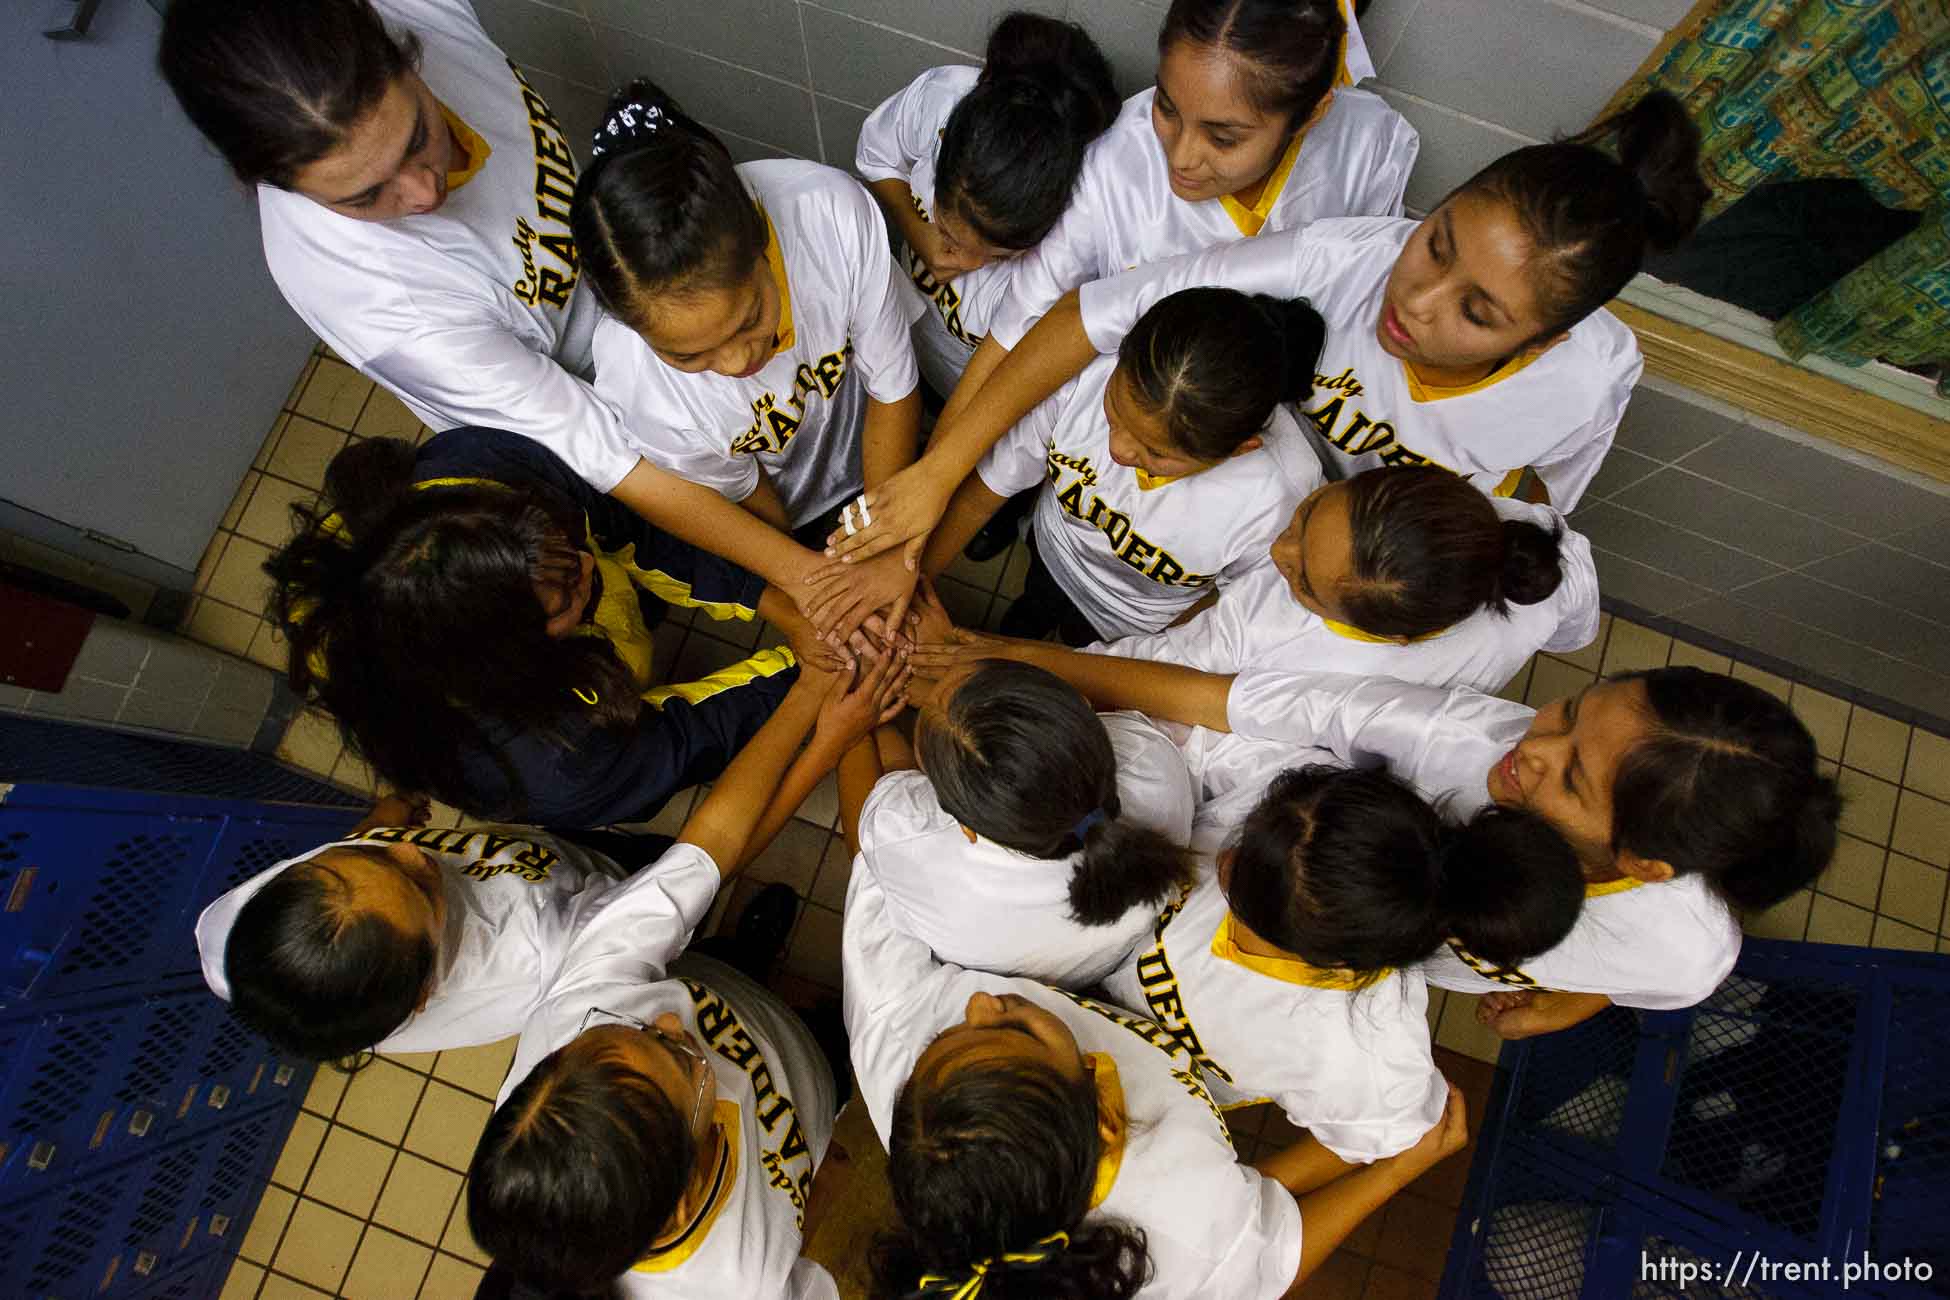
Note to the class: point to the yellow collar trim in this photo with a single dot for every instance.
(775, 260)
(1342, 77)
(1110, 1101)
(1288, 970)
(1617, 886)
(619, 618)
(1252, 220)
(1354, 633)
(1146, 481)
(674, 1255)
(470, 140)
(1422, 391)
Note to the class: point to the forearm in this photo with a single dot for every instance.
(988, 355)
(889, 437)
(1162, 690)
(1551, 1011)
(973, 505)
(807, 771)
(1330, 1214)
(860, 771)
(1304, 1166)
(723, 822)
(1049, 356)
(706, 519)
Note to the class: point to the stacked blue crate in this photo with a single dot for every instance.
(1789, 1137)
(138, 1120)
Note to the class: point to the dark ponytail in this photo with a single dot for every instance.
(1020, 758)
(1349, 869)
(1288, 51)
(1727, 787)
(660, 208)
(1213, 363)
(1013, 147)
(412, 616)
(275, 86)
(1430, 550)
(1591, 219)
(994, 1166)
(1508, 885)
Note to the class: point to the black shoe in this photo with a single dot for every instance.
(996, 536)
(758, 939)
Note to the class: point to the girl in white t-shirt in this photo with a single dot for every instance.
(661, 1122)
(1290, 973)
(973, 166)
(413, 190)
(756, 343)
(1035, 837)
(1685, 794)
(1167, 471)
(1042, 1143)
(1410, 574)
(1474, 339)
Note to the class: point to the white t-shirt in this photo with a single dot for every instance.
(901, 140)
(1657, 946)
(474, 313)
(775, 1093)
(1351, 1067)
(1134, 552)
(1557, 412)
(515, 898)
(1256, 623)
(1353, 162)
(1214, 1227)
(844, 332)
(990, 908)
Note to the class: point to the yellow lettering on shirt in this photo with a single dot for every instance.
(784, 1150)
(494, 855)
(775, 421)
(941, 293)
(1142, 555)
(555, 187)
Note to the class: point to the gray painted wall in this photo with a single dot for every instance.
(1702, 516)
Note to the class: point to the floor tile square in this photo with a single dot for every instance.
(327, 1087)
(294, 1162)
(1687, 655)
(268, 517)
(239, 578)
(1415, 1234)
(1868, 806)
(1894, 934)
(1825, 717)
(1912, 892)
(1854, 874)
(1876, 744)
(335, 395)
(1631, 647)
(451, 1279)
(386, 416)
(242, 1281)
(418, 1197)
(1553, 679)
(815, 950)
(349, 1172)
(386, 1267)
(318, 1245)
(1778, 687)
(267, 1225)
(1517, 688)
(268, 647)
(1461, 1032)
(835, 874)
(793, 857)
(304, 449)
(480, 1070)
(1787, 919)
(1833, 921)
(1922, 828)
(447, 1125)
(1590, 657)
(1929, 764)
(380, 1098)
(221, 626)
(1340, 1276)
(279, 1287)
(235, 511)
(1385, 1282)
(312, 742)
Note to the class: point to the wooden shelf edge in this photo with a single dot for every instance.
(1780, 390)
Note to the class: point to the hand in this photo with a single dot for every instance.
(1450, 1135)
(905, 508)
(842, 599)
(857, 703)
(808, 647)
(942, 267)
(1525, 1013)
(929, 622)
(400, 809)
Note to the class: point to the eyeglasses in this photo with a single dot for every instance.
(699, 1067)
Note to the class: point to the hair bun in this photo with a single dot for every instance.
(632, 118)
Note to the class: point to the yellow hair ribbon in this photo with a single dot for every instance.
(587, 697)
(971, 1287)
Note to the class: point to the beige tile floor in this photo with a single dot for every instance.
(365, 1201)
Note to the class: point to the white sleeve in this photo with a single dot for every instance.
(621, 360)
(1020, 461)
(1576, 595)
(1567, 476)
(1411, 728)
(638, 928)
(883, 972)
(482, 374)
(1071, 254)
(1263, 1256)
(881, 317)
(1387, 180)
(1270, 263)
(1201, 643)
(898, 134)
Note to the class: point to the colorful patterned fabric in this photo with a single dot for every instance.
(1801, 89)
